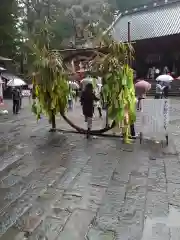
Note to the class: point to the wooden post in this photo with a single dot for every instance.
(107, 119)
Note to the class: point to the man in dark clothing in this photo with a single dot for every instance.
(16, 100)
(87, 101)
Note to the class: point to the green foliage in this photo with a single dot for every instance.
(66, 16)
(62, 29)
(51, 87)
(118, 86)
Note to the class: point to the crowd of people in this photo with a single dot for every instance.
(154, 72)
(162, 86)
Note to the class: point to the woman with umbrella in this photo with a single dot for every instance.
(141, 87)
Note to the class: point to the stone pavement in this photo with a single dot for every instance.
(60, 186)
(77, 117)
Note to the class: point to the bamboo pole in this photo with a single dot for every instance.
(129, 42)
(132, 129)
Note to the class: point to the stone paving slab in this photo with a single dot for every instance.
(61, 186)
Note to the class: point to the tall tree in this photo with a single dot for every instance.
(8, 28)
(67, 18)
(129, 4)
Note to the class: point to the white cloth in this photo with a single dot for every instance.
(98, 95)
(157, 71)
(98, 104)
(89, 122)
(70, 97)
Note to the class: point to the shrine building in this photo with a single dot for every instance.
(154, 33)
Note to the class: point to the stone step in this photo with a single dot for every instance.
(171, 93)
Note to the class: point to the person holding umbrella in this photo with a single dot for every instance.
(16, 100)
(141, 87)
(166, 79)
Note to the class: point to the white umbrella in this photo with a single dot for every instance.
(85, 81)
(74, 85)
(165, 78)
(2, 69)
(16, 82)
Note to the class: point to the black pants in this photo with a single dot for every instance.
(15, 106)
(20, 103)
(139, 103)
(166, 92)
(158, 96)
(132, 129)
(100, 112)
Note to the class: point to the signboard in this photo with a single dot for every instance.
(26, 93)
(155, 115)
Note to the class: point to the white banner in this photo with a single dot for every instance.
(154, 115)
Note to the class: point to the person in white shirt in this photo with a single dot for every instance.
(157, 72)
(165, 70)
(98, 95)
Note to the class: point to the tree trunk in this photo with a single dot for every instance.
(107, 120)
(53, 121)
